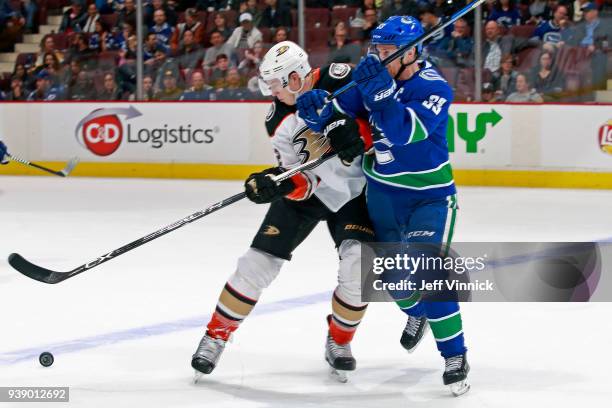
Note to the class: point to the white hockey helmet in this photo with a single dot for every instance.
(278, 63)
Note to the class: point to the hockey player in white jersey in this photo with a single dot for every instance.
(332, 192)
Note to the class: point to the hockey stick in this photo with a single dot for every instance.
(48, 276)
(423, 37)
(62, 173)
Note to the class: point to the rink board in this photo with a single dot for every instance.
(491, 144)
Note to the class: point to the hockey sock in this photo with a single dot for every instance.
(411, 305)
(447, 327)
(231, 310)
(344, 319)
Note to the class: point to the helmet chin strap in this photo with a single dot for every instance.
(404, 66)
(303, 81)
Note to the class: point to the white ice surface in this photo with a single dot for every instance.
(123, 333)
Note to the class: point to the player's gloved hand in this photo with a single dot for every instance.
(260, 188)
(3, 157)
(343, 134)
(374, 82)
(314, 110)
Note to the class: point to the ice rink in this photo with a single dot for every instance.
(123, 333)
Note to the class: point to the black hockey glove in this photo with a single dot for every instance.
(261, 189)
(343, 134)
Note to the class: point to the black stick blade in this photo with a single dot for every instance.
(34, 271)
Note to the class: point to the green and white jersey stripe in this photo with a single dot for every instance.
(440, 176)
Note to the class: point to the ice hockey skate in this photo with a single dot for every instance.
(413, 333)
(205, 358)
(455, 374)
(340, 359)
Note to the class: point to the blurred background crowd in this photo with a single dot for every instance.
(532, 50)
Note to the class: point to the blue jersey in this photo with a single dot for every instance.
(411, 152)
(547, 31)
(506, 18)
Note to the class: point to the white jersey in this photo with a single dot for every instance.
(294, 143)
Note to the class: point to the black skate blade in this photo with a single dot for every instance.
(202, 366)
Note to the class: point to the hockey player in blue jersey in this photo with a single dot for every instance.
(3, 157)
(411, 191)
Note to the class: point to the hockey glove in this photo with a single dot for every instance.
(260, 188)
(3, 157)
(343, 135)
(314, 110)
(374, 83)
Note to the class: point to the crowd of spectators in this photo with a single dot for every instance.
(532, 50)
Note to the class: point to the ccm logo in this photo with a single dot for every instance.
(421, 234)
(334, 125)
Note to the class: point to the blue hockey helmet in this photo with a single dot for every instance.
(398, 31)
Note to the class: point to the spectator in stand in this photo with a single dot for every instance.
(280, 35)
(191, 54)
(220, 24)
(51, 64)
(546, 79)
(359, 18)
(199, 91)
(110, 91)
(275, 15)
(127, 14)
(79, 49)
(341, 49)
(578, 14)
(218, 47)
(71, 74)
(250, 6)
(18, 92)
(82, 89)
(234, 87)
(47, 45)
(536, 11)
(219, 72)
(435, 48)
(110, 6)
(460, 45)
(89, 20)
(29, 8)
(400, 8)
(595, 35)
(161, 28)
(73, 18)
(45, 90)
(11, 26)
(155, 5)
(191, 24)
(170, 91)
(549, 32)
(496, 45)
(505, 13)
(523, 92)
(488, 93)
(128, 54)
(20, 72)
(116, 40)
(370, 22)
(97, 40)
(149, 47)
(252, 59)
(147, 90)
(551, 6)
(505, 79)
(246, 35)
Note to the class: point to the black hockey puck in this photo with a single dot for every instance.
(46, 359)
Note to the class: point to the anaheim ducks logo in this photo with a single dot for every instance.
(271, 230)
(310, 145)
(282, 50)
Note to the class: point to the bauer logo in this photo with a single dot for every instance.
(605, 137)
